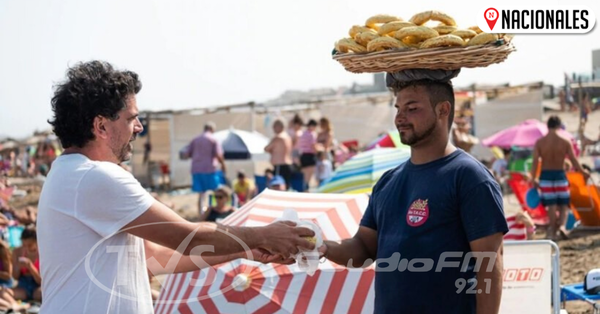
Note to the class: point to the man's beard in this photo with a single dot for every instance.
(124, 153)
(415, 137)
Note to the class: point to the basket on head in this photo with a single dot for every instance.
(434, 58)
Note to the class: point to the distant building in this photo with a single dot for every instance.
(378, 86)
(596, 65)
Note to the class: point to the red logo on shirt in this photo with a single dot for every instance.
(417, 213)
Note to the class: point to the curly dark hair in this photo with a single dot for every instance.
(91, 89)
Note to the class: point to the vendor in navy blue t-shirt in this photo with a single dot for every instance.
(430, 218)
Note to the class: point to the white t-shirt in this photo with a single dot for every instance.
(87, 265)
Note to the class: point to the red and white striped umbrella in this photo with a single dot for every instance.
(244, 286)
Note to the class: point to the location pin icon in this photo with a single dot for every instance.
(491, 16)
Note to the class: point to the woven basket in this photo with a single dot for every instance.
(434, 58)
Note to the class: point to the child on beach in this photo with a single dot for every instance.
(324, 167)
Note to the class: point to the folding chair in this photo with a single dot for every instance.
(260, 183)
(575, 292)
(234, 202)
(585, 200)
(531, 277)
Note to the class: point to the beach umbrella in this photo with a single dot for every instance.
(524, 134)
(389, 139)
(244, 286)
(240, 144)
(360, 173)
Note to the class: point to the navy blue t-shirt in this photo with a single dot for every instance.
(420, 212)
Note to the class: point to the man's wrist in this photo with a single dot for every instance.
(255, 237)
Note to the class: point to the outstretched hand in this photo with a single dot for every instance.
(265, 257)
(285, 238)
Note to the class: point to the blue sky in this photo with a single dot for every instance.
(192, 53)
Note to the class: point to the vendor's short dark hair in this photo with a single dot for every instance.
(91, 89)
(438, 92)
(554, 122)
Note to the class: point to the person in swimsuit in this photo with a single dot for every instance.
(6, 280)
(551, 151)
(280, 149)
(223, 207)
(325, 137)
(7, 301)
(295, 131)
(26, 267)
(307, 146)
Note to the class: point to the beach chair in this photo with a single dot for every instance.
(260, 182)
(520, 185)
(575, 292)
(531, 277)
(517, 231)
(234, 202)
(585, 200)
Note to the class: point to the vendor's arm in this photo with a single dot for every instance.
(482, 215)
(489, 276)
(358, 251)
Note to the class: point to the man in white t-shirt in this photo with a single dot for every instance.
(99, 230)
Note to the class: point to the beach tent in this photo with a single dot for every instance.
(244, 286)
(240, 144)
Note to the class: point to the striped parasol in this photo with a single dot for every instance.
(516, 229)
(244, 286)
(360, 173)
